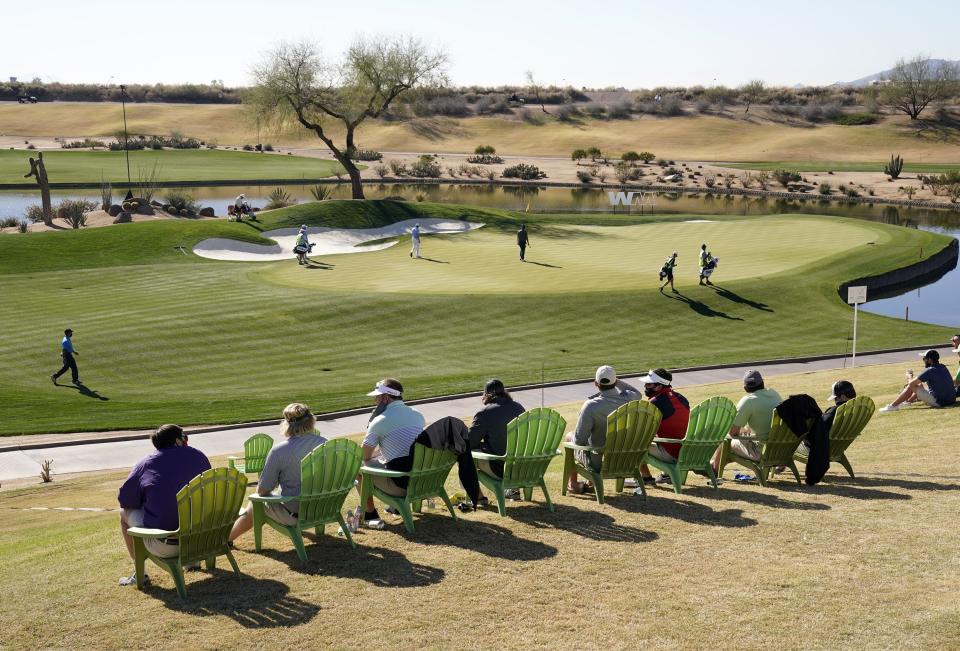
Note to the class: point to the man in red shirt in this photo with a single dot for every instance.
(674, 411)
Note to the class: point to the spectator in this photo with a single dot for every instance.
(934, 387)
(956, 349)
(754, 417)
(282, 468)
(591, 427)
(148, 498)
(488, 432)
(675, 414)
(391, 432)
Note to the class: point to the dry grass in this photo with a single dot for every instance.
(864, 563)
(687, 138)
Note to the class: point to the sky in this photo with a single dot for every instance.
(637, 44)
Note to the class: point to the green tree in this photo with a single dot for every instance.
(578, 155)
(752, 92)
(295, 85)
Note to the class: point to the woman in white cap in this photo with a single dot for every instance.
(415, 240)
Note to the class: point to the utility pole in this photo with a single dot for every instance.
(126, 139)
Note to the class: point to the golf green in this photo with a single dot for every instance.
(166, 336)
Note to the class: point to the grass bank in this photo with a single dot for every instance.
(743, 564)
(166, 336)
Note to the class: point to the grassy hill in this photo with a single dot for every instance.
(168, 337)
(172, 165)
(720, 138)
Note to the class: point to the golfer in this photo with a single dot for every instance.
(704, 256)
(67, 353)
(523, 241)
(415, 239)
(302, 246)
(666, 272)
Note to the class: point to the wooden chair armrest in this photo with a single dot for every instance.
(658, 439)
(381, 472)
(758, 439)
(276, 499)
(588, 448)
(487, 456)
(143, 532)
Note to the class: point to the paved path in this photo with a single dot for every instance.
(106, 455)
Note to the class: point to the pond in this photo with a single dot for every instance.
(933, 303)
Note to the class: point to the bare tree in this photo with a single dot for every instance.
(39, 170)
(296, 85)
(752, 92)
(535, 89)
(912, 85)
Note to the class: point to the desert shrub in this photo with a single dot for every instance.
(22, 226)
(133, 144)
(630, 156)
(783, 177)
(824, 188)
(421, 197)
(670, 106)
(709, 179)
(398, 167)
(703, 106)
(71, 211)
(8, 222)
(269, 147)
(321, 192)
(279, 198)
(82, 144)
(908, 190)
(452, 171)
(594, 153)
(106, 195)
(832, 112)
(381, 170)
(812, 112)
(490, 104)
(483, 150)
(785, 109)
(524, 171)
(856, 119)
(662, 162)
(567, 113)
(34, 213)
(619, 110)
(156, 145)
(426, 167)
(485, 159)
(578, 155)
(248, 148)
(646, 156)
(365, 155)
(851, 192)
(211, 145)
(454, 106)
(842, 188)
(597, 112)
(180, 200)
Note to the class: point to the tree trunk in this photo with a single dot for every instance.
(356, 186)
(39, 170)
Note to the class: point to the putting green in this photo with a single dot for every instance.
(580, 258)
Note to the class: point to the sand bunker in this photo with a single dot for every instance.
(327, 241)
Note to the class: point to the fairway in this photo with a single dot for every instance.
(168, 337)
(92, 167)
(583, 258)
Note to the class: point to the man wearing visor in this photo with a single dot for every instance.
(675, 412)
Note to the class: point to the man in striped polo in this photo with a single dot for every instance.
(391, 432)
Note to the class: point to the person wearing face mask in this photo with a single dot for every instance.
(392, 430)
(675, 414)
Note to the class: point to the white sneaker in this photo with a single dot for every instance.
(630, 482)
(889, 408)
(376, 523)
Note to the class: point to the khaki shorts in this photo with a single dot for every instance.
(279, 513)
(746, 449)
(924, 396)
(484, 466)
(657, 451)
(385, 484)
(134, 518)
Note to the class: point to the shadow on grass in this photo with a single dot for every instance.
(892, 482)
(851, 490)
(543, 264)
(669, 506)
(252, 603)
(699, 307)
(589, 524)
(317, 264)
(384, 568)
(770, 500)
(436, 128)
(432, 260)
(84, 390)
(484, 538)
(736, 298)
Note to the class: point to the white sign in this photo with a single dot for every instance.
(627, 198)
(857, 294)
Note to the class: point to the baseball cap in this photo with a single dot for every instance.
(752, 379)
(842, 388)
(606, 376)
(653, 378)
(382, 389)
(932, 354)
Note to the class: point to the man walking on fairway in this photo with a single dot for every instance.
(704, 258)
(67, 354)
(666, 271)
(523, 241)
(415, 238)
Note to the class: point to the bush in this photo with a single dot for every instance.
(597, 112)
(71, 211)
(784, 177)
(381, 170)
(179, 200)
(832, 112)
(524, 171)
(812, 113)
(584, 176)
(485, 159)
(578, 155)
(34, 213)
(133, 144)
(248, 148)
(646, 156)
(321, 192)
(86, 143)
(852, 193)
(619, 111)
(824, 188)
(703, 106)
(594, 153)
(269, 147)
(426, 167)
(8, 222)
(156, 145)
(279, 198)
(856, 119)
(211, 145)
(398, 167)
(709, 179)
(365, 155)
(630, 156)
(670, 106)
(567, 113)
(483, 150)
(22, 226)
(450, 106)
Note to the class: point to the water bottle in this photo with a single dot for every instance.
(357, 519)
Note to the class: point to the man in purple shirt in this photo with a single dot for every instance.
(148, 498)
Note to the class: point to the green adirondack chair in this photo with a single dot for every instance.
(255, 451)
(207, 508)
(532, 440)
(777, 449)
(630, 430)
(709, 424)
(327, 474)
(851, 419)
(427, 477)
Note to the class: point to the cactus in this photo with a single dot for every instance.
(894, 167)
(46, 475)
